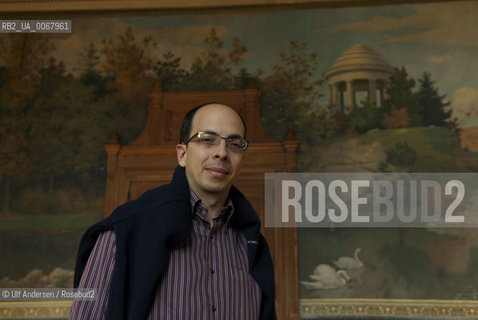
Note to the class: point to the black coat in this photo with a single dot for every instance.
(146, 231)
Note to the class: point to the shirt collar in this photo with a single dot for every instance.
(201, 210)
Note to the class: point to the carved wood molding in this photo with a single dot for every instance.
(383, 308)
(149, 161)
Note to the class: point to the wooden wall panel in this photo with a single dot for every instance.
(150, 160)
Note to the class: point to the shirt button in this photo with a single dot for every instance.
(213, 308)
(212, 270)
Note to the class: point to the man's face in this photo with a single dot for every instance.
(211, 169)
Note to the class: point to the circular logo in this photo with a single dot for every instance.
(5, 293)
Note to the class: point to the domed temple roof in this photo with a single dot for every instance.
(359, 57)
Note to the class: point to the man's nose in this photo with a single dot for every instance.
(220, 151)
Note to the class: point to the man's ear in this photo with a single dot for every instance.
(181, 154)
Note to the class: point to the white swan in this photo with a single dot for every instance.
(327, 278)
(350, 263)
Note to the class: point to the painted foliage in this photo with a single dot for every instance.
(63, 96)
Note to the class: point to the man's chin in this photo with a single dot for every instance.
(217, 187)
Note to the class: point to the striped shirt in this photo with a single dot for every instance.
(207, 276)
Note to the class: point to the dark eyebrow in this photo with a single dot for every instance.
(233, 136)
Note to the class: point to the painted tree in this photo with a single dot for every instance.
(22, 57)
(129, 63)
(90, 73)
(401, 95)
(213, 69)
(432, 105)
(365, 117)
(169, 71)
(290, 97)
(89, 59)
(67, 140)
(397, 118)
(401, 155)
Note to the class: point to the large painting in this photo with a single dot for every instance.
(383, 88)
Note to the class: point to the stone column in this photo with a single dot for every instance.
(331, 93)
(381, 92)
(372, 91)
(334, 94)
(350, 94)
(341, 99)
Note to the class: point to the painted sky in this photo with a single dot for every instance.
(438, 38)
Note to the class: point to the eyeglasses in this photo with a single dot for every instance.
(209, 138)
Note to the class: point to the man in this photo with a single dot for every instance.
(191, 249)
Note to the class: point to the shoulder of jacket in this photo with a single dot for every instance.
(135, 209)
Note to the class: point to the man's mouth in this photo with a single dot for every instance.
(218, 171)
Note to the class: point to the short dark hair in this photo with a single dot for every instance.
(186, 125)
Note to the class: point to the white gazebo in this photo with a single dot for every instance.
(358, 69)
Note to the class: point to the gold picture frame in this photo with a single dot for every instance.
(308, 308)
(35, 310)
(383, 308)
